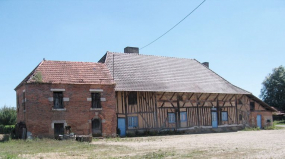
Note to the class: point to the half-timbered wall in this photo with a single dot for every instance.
(152, 109)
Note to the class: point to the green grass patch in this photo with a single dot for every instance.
(18, 148)
(251, 129)
(279, 122)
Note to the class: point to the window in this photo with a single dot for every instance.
(58, 100)
(171, 118)
(224, 116)
(96, 100)
(239, 101)
(183, 117)
(23, 101)
(17, 96)
(240, 117)
(132, 98)
(252, 106)
(132, 122)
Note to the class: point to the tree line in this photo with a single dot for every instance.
(8, 116)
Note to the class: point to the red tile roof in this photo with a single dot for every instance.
(67, 72)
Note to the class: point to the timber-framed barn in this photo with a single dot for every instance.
(161, 93)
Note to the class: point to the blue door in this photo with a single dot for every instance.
(122, 126)
(214, 120)
(258, 119)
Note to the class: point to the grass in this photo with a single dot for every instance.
(279, 122)
(48, 147)
(251, 129)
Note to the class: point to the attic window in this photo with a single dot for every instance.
(24, 100)
(252, 106)
(132, 98)
(239, 101)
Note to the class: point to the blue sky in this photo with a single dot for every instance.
(242, 39)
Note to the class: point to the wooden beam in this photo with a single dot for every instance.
(218, 108)
(155, 109)
(126, 112)
(178, 111)
(206, 100)
(198, 116)
(236, 110)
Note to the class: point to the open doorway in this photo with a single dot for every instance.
(96, 128)
(58, 130)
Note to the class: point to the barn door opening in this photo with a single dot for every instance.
(58, 130)
(96, 128)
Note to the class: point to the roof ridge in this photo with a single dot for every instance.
(221, 77)
(73, 61)
(151, 55)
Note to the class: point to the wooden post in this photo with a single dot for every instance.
(218, 117)
(155, 111)
(197, 103)
(126, 110)
(236, 111)
(178, 111)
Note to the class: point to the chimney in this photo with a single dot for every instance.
(131, 50)
(206, 64)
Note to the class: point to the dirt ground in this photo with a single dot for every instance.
(242, 144)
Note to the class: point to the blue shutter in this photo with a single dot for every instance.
(183, 116)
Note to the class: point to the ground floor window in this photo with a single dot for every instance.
(171, 117)
(224, 116)
(183, 116)
(132, 122)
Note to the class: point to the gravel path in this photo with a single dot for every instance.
(242, 144)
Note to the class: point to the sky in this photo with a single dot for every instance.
(243, 40)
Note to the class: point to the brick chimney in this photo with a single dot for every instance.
(131, 50)
(206, 64)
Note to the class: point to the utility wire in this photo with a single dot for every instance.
(174, 25)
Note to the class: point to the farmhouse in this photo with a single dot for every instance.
(129, 92)
(58, 94)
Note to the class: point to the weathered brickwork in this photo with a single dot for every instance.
(40, 115)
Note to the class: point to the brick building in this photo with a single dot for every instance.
(59, 94)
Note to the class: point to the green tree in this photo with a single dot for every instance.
(273, 90)
(8, 115)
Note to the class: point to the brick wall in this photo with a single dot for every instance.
(40, 115)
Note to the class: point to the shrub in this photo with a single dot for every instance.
(8, 115)
(7, 129)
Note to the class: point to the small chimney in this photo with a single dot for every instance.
(131, 50)
(206, 64)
